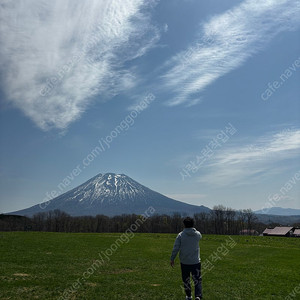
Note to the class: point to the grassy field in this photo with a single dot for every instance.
(37, 265)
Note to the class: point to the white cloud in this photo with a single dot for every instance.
(255, 161)
(166, 28)
(226, 42)
(40, 74)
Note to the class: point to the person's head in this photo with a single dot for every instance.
(188, 222)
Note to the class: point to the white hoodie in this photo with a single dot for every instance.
(187, 242)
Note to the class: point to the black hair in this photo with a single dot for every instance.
(188, 222)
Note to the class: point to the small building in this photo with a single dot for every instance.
(267, 231)
(279, 231)
(296, 233)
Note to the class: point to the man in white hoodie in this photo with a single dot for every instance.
(187, 244)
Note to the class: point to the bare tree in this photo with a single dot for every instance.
(218, 215)
(231, 226)
(250, 218)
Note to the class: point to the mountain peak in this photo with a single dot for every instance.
(112, 194)
(110, 187)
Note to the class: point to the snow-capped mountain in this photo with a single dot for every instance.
(112, 194)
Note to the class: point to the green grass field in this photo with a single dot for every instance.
(38, 265)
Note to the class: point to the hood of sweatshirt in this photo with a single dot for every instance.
(190, 231)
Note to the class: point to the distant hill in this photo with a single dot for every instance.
(282, 220)
(279, 211)
(113, 194)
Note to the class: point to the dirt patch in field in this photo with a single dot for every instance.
(91, 283)
(21, 274)
(155, 284)
(6, 278)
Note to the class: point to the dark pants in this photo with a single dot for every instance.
(195, 270)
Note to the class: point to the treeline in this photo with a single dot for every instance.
(220, 220)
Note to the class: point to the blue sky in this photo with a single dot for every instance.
(74, 73)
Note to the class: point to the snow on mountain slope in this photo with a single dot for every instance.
(109, 188)
(113, 194)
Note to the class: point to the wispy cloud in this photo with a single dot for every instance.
(55, 56)
(253, 162)
(226, 42)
